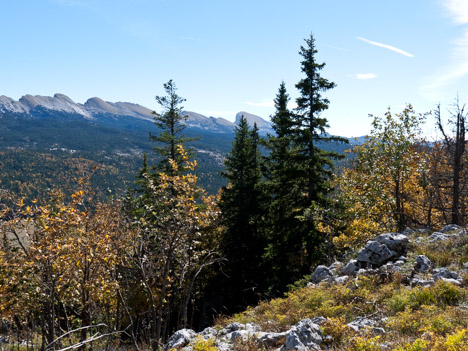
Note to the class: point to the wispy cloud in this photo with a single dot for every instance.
(458, 65)
(457, 9)
(385, 46)
(365, 76)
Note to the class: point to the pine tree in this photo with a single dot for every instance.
(172, 124)
(242, 243)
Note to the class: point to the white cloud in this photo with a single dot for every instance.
(364, 76)
(389, 47)
(457, 68)
(457, 9)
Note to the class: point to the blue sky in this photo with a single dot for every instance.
(228, 56)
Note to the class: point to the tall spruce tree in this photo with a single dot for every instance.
(240, 203)
(313, 165)
(299, 174)
(311, 127)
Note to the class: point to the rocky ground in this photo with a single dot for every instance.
(401, 291)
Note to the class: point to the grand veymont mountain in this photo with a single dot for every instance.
(95, 108)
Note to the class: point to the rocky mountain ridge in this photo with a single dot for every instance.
(95, 108)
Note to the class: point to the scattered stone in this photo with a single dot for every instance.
(366, 323)
(321, 273)
(465, 266)
(341, 280)
(423, 263)
(437, 236)
(445, 273)
(422, 282)
(367, 272)
(350, 268)
(451, 281)
(180, 339)
(399, 263)
(450, 228)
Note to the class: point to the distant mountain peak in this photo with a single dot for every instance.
(263, 126)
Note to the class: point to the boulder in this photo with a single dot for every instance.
(422, 264)
(271, 340)
(375, 253)
(395, 242)
(209, 333)
(350, 268)
(305, 335)
(465, 266)
(321, 273)
(180, 339)
(335, 266)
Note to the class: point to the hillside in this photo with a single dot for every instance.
(405, 291)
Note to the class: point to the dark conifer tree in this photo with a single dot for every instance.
(298, 174)
(311, 127)
(280, 186)
(240, 203)
(172, 124)
(313, 165)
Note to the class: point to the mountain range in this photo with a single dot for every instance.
(45, 140)
(95, 108)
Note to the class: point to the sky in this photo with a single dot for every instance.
(230, 56)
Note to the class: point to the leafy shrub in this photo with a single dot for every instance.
(201, 344)
(363, 344)
(417, 345)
